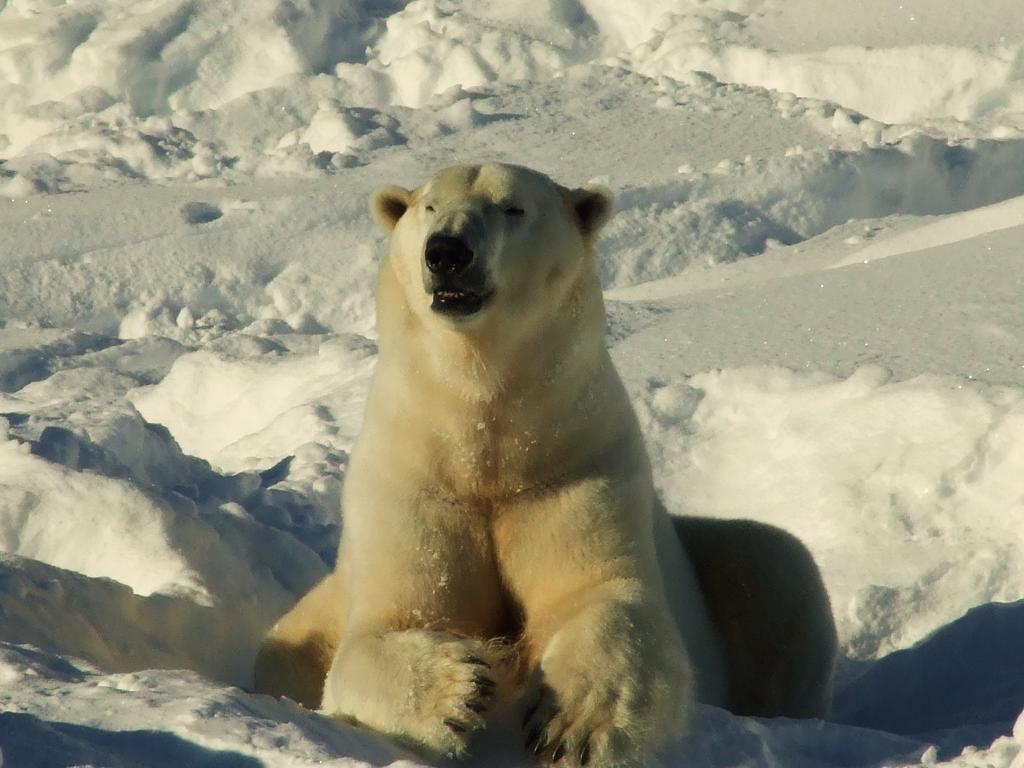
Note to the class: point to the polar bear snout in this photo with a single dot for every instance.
(447, 255)
(453, 275)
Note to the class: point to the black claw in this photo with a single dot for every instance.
(478, 661)
(484, 683)
(476, 706)
(585, 753)
(559, 752)
(455, 725)
(538, 740)
(531, 740)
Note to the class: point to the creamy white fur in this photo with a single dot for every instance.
(499, 504)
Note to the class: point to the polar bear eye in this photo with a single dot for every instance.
(513, 210)
(429, 209)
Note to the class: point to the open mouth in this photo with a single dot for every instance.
(456, 303)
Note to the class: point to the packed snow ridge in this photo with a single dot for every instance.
(176, 90)
(814, 291)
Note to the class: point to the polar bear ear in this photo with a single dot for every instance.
(388, 204)
(594, 205)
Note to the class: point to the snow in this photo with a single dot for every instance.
(243, 413)
(814, 290)
(894, 467)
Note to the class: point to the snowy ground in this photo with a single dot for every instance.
(815, 285)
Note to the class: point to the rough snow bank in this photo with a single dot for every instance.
(950, 229)
(302, 257)
(736, 210)
(250, 413)
(193, 90)
(941, 81)
(156, 719)
(169, 719)
(203, 562)
(890, 472)
(40, 498)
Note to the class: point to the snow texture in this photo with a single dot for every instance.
(814, 286)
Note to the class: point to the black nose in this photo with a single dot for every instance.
(447, 255)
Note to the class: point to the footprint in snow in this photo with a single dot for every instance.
(200, 213)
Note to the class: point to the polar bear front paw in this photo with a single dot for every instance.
(601, 710)
(458, 689)
(428, 690)
(584, 732)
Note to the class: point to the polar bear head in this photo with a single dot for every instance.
(481, 248)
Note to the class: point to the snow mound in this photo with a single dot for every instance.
(737, 210)
(429, 47)
(90, 489)
(164, 720)
(186, 91)
(938, 81)
(39, 499)
(154, 719)
(950, 229)
(248, 413)
(64, 62)
(893, 467)
(27, 356)
(188, 574)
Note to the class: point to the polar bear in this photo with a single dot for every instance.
(502, 540)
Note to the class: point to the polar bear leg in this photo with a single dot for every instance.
(610, 685)
(611, 677)
(295, 655)
(412, 663)
(426, 689)
(771, 612)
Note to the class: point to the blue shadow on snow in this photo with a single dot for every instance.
(961, 686)
(28, 742)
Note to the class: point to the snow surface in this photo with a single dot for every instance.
(815, 290)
